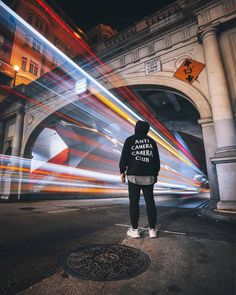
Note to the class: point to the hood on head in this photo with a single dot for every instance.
(142, 127)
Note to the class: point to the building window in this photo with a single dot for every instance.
(27, 40)
(105, 37)
(34, 68)
(30, 17)
(36, 45)
(23, 63)
(39, 24)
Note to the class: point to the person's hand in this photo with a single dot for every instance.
(122, 177)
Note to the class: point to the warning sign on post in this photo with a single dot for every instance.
(189, 70)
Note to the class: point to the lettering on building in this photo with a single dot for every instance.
(153, 66)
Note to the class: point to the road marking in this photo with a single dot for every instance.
(81, 208)
(224, 211)
(173, 232)
(99, 207)
(63, 210)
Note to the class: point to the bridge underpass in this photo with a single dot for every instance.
(54, 92)
(77, 149)
(70, 139)
(91, 140)
(177, 113)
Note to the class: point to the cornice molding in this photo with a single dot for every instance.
(156, 23)
(207, 32)
(148, 38)
(204, 4)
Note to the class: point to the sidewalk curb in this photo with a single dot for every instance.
(219, 215)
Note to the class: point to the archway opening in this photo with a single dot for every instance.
(178, 113)
(79, 150)
(175, 111)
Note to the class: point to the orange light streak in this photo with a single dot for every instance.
(77, 38)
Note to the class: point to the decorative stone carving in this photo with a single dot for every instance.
(29, 119)
(205, 16)
(151, 48)
(136, 55)
(122, 61)
(186, 33)
(168, 42)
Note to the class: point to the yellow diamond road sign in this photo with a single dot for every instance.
(189, 70)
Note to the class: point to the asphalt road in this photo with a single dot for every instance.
(34, 235)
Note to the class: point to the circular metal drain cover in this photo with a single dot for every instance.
(105, 262)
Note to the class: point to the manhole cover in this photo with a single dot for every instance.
(105, 262)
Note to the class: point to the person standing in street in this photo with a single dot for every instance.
(140, 162)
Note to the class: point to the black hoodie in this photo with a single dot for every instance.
(140, 154)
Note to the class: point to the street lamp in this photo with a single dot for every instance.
(16, 70)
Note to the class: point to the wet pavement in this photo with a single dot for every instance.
(192, 255)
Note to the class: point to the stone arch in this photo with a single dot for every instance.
(33, 132)
(35, 118)
(165, 80)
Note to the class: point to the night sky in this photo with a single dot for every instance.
(119, 14)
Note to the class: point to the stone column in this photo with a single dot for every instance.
(16, 145)
(1, 162)
(209, 140)
(16, 149)
(224, 159)
(219, 94)
(1, 136)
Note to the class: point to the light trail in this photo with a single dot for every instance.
(98, 88)
(107, 70)
(80, 180)
(130, 95)
(106, 120)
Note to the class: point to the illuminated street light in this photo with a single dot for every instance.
(16, 70)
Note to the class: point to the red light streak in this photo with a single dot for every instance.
(142, 108)
(129, 94)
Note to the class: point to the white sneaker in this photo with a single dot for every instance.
(152, 233)
(133, 232)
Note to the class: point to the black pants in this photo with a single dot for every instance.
(134, 196)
